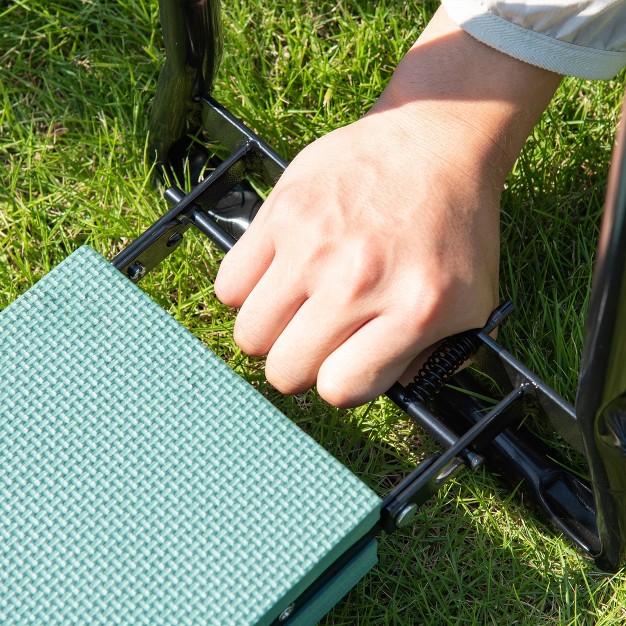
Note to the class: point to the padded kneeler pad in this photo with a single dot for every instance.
(142, 481)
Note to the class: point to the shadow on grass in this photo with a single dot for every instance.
(475, 555)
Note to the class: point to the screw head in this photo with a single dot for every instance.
(136, 271)
(287, 613)
(405, 515)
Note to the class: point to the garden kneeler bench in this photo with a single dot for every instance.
(142, 481)
(189, 128)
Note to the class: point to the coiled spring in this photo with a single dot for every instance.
(441, 365)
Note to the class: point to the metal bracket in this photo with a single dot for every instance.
(564, 497)
(249, 156)
(428, 477)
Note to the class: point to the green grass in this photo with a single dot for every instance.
(76, 81)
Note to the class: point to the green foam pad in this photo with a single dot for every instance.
(141, 480)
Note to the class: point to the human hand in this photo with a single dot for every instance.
(382, 237)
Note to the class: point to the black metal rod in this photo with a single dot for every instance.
(521, 459)
(205, 224)
(174, 195)
(433, 426)
(411, 488)
(442, 433)
(498, 316)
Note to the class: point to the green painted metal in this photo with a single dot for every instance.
(141, 480)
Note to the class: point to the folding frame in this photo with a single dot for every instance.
(592, 514)
(147, 483)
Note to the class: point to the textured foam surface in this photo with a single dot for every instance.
(141, 480)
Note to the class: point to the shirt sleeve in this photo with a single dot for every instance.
(584, 39)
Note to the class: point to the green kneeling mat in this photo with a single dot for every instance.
(143, 482)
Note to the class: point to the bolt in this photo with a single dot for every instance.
(136, 271)
(405, 515)
(287, 613)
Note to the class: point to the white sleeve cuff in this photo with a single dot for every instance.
(533, 47)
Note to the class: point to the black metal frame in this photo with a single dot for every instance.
(592, 515)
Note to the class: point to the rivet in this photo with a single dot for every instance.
(405, 515)
(136, 271)
(287, 613)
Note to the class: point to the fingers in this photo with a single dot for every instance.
(367, 363)
(269, 308)
(242, 268)
(320, 326)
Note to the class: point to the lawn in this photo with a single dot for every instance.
(76, 82)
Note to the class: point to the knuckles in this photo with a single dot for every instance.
(340, 393)
(285, 378)
(363, 271)
(251, 340)
(336, 391)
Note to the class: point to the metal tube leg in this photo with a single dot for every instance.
(193, 43)
(601, 404)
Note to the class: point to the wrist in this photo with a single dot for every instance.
(466, 100)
